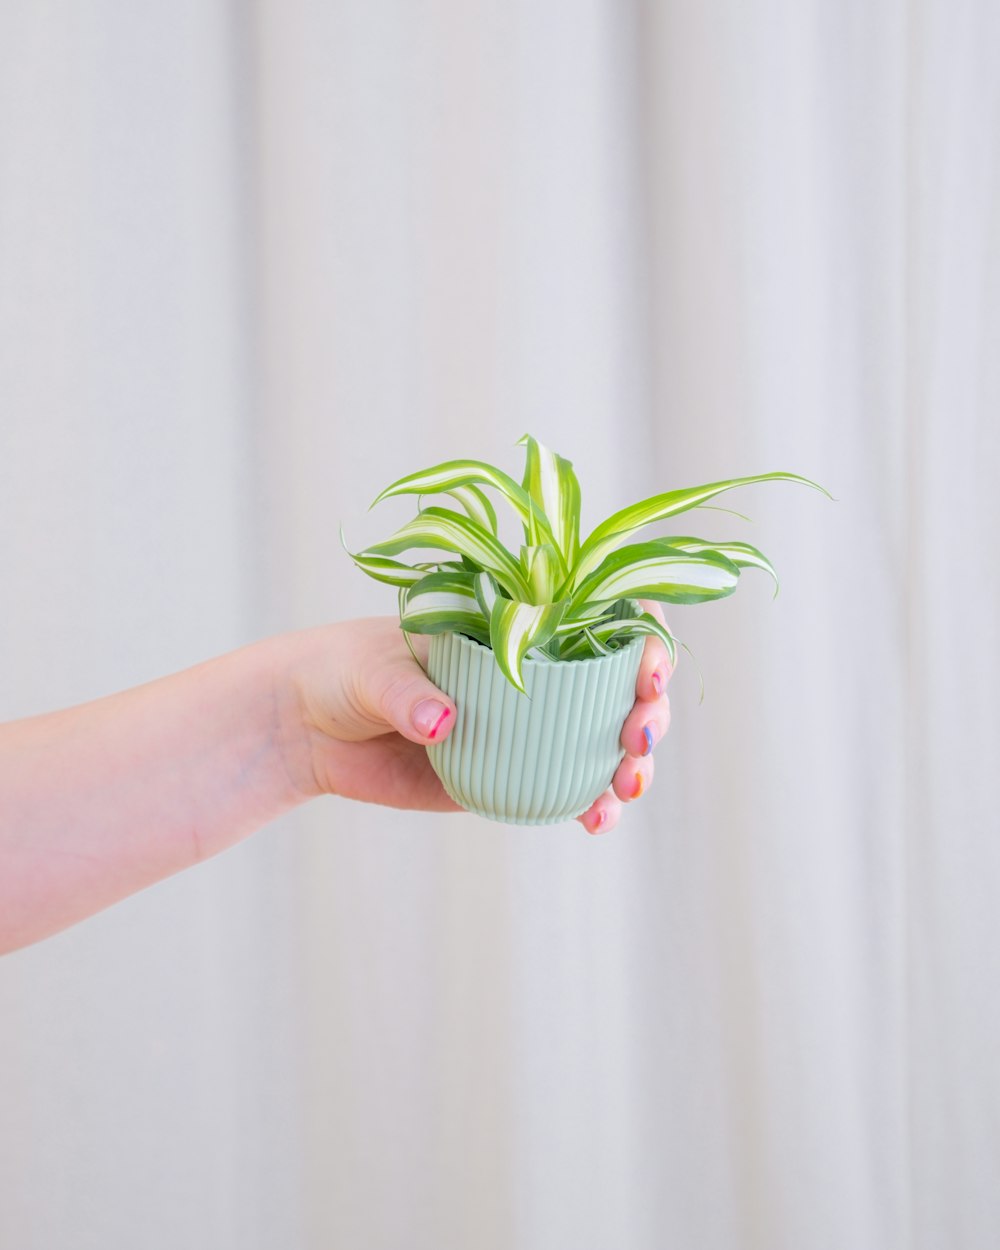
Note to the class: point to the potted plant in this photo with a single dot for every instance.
(540, 650)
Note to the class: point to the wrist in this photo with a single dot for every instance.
(292, 734)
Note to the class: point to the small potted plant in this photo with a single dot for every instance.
(540, 650)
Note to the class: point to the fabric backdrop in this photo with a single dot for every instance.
(256, 261)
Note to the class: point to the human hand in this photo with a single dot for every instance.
(644, 726)
(364, 711)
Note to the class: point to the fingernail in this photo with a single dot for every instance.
(599, 820)
(639, 783)
(647, 731)
(657, 680)
(428, 717)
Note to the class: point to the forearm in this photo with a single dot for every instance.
(103, 799)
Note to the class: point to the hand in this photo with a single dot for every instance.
(644, 726)
(366, 712)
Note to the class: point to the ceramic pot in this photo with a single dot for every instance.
(535, 758)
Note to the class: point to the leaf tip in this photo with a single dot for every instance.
(383, 494)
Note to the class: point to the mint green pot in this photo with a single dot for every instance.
(538, 758)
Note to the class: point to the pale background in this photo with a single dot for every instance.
(258, 260)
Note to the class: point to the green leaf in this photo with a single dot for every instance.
(486, 593)
(452, 531)
(741, 554)
(596, 642)
(515, 628)
(655, 570)
(391, 572)
(584, 644)
(542, 571)
(406, 637)
(477, 506)
(447, 477)
(606, 631)
(715, 507)
(550, 481)
(581, 619)
(444, 602)
(612, 532)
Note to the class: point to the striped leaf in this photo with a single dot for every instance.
(485, 589)
(447, 477)
(477, 506)
(453, 531)
(515, 628)
(581, 619)
(550, 481)
(542, 571)
(444, 602)
(741, 554)
(391, 572)
(583, 645)
(655, 570)
(644, 624)
(382, 569)
(617, 528)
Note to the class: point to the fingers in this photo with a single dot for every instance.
(655, 668)
(414, 706)
(632, 778)
(602, 814)
(398, 692)
(644, 727)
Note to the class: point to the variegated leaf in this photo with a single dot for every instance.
(515, 628)
(453, 531)
(382, 569)
(447, 477)
(485, 591)
(444, 602)
(655, 570)
(741, 554)
(581, 619)
(550, 480)
(582, 645)
(644, 624)
(477, 505)
(542, 571)
(617, 528)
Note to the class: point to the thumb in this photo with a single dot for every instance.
(412, 704)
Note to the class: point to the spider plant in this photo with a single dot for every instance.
(561, 596)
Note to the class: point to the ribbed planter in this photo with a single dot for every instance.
(538, 758)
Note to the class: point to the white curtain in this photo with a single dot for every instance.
(258, 261)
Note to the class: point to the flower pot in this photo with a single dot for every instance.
(538, 758)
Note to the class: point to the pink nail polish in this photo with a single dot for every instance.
(657, 680)
(439, 722)
(428, 717)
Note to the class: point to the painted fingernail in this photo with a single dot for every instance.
(598, 821)
(428, 717)
(657, 680)
(647, 732)
(639, 784)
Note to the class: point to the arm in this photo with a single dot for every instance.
(101, 800)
